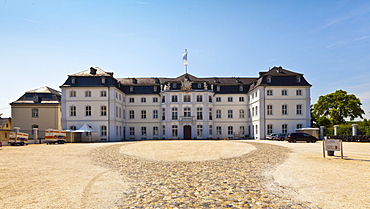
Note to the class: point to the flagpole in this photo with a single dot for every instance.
(186, 66)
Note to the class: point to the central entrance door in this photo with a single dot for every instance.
(187, 132)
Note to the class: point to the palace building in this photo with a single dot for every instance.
(186, 107)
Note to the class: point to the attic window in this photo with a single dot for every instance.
(174, 85)
(131, 89)
(155, 88)
(103, 80)
(218, 88)
(298, 79)
(241, 88)
(268, 79)
(73, 80)
(199, 85)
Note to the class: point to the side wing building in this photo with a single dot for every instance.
(186, 107)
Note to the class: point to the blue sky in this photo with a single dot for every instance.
(41, 42)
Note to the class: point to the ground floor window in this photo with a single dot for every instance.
(230, 130)
(284, 128)
(242, 130)
(218, 130)
(269, 129)
(132, 131)
(103, 130)
(155, 131)
(199, 131)
(175, 131)
(210, 130)
(143, 131)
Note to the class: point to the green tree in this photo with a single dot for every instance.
(337, 106)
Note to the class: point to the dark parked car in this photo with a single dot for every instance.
(294, 137)
(280, 137)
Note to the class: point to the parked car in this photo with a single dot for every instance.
(294, 137)
(271, 136)
(280, 137)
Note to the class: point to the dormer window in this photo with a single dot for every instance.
(174, 85)
(298, 79)
(268, 79)
(155, 88)
(218, 88)
(199, 85)
(103, 80)
(241, 88)
(73, 80)
(131, 89)
(36, 99)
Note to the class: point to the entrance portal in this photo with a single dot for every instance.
(187, 132)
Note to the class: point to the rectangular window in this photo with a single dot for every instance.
(218, 99)
(210, 114)
(218, 130)
(163, 99)
(218, 113)
(164, 131)
(88, 111)
(175, 131)
(103, 111)
(132, 131)
(174, 98)
(210, 130)
(269, 109)
(299, 109)
(35, 113)
(230, 114)
(284, 109)
(284, 92)
(230, 130)
(72, 94)
(155, 131)
(199, 113)
(132, 114)
(256, 110)
(187, 112)
(143, 131)
(73, 111)
(174, 113)
(155, 114)
(241, 114)
(155, 99)
(163, 113)
(143, 114)
(299, 126)
(103, 131)
(209, 98)
(269, 93)
(229, 99)
(143, 100)
(299, 92)
(199, 131)
(103, 94)
(131, 100)
(199, 98)
(187, 98)
(269, 129)
(87, 93)
(284, 128)
(241, 99)
(242, 130)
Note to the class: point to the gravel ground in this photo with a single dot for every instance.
(183, 174)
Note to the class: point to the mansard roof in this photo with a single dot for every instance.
(43, 95)
(277, 76)
(93, 71)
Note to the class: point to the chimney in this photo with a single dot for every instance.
(92, 71)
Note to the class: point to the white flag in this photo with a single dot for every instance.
(185, 58)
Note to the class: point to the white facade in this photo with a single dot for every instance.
(185, 107)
